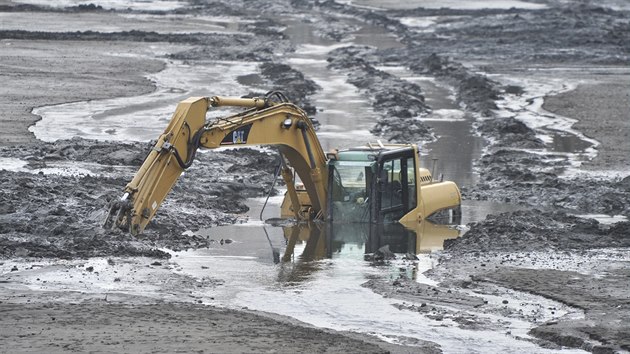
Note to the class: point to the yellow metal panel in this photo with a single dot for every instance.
(160, 170)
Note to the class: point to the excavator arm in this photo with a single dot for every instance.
(263, 122)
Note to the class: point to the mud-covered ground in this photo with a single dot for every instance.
(128, 324)
(54, 195)
(51, 215)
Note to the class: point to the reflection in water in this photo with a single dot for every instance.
(329, 240)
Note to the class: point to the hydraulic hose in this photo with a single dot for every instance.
(193, 145)
(302, 126)
(273, 184)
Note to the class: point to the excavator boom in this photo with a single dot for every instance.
(264, 122)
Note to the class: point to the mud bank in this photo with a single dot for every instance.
(602, 110)
(529, 231)
(126, 324)
(575, 261)
(54, 81)
(532, 179)
(284, 78)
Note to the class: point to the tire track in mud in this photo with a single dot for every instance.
(401, 102)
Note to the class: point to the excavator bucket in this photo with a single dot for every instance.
(173, 152)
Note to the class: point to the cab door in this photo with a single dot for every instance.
(393, 188)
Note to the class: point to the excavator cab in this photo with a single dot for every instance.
(372, 184)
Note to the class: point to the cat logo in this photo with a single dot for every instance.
(238, 136)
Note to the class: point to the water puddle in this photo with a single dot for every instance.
(315, 273)
(139, 5)
(324, 293)
(554, 130)
(66, 168)
(566, 143)
(604, 219)
(477, 210)
(338, 103)
(420, 24)
(141, 118)
(454, 151)
(346, 116)
(109, 23)
(451, 4)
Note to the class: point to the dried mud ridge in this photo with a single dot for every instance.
(59, 216)
(534, 230)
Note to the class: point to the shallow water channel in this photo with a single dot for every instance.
(314, 273)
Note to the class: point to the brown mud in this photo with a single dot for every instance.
(399, 101)
(36, 73)
(602, 111)
(561, 35)
(135, 325)
(546, 250)
(49, 215)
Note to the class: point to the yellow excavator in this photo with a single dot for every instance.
(376, 183)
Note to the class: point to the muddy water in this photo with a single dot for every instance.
(141, 118)
(317, 278)
(106, 23)
(159, 5)
(453, 4)
(327, 296)
(346, 116)
(452, 154)
(323, 293)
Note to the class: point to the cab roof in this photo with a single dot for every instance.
(362, 153)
